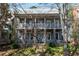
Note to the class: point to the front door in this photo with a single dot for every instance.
(39, 37)
(29, 37)
(49, 36)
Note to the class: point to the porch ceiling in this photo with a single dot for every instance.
(38, 15)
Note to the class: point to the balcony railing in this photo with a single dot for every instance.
(21, 26)
(38, 26)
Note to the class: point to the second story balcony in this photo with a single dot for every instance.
(31, 25)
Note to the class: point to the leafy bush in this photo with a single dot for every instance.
(49, 51)
(74, 35)
(52, 45)
(24, 52)
(71, 49)
(14, 46)
(54, 50)
(32, 50)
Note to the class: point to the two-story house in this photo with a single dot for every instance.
(38, 27)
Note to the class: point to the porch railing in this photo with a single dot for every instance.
(38, 25)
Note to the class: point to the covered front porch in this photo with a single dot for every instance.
(39, 36)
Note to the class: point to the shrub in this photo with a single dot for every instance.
(14, 46)
(52, 45)
(32, 50)
(54, 50)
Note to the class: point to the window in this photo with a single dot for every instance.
(57, 35)
(48, 23)
(21, 20)
(49, 35)
(39, 37)
(30, 36)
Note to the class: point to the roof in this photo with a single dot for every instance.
(39, 11)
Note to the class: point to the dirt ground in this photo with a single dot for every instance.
(8, 52)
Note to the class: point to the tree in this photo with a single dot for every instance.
(5, 18)
(4, 14)
(63, 12)
(74, 41)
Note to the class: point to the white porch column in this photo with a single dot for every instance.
(58, 24)
(34, 31)
(25, 22)
(54, 29)
(25, 31)
(44, 31)
(54, 33)
(18, 20)
(54, 23)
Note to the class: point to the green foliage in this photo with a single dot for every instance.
(32, 50)
(14, 45)
(74, 35)
(25, 52)
(69, 13)
(54, 50)
(52, 45)
(49, 51)
(71, 49)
